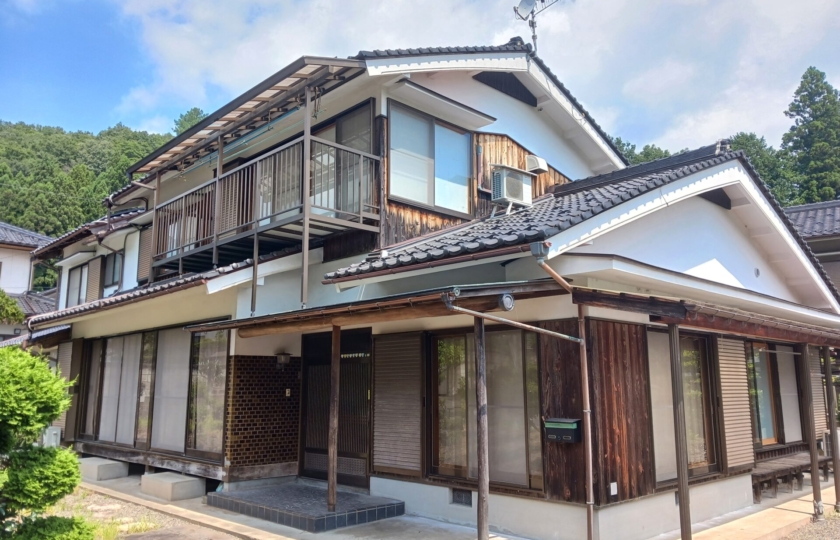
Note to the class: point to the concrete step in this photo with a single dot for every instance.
(171, 486)
(97, 469)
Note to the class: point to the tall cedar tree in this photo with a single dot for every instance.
(813, 142)
(772, 166)
(188, 120)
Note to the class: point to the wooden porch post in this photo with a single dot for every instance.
(808, 399)
(332, 439)
(587, 426)
(220, 163)
(481, 430)
(304, 195)
(154, 230)
(832, 423)
(679, 431)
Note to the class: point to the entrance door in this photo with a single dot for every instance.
(353, 406)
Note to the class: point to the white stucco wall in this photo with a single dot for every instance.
(698, 238)
(14, 272)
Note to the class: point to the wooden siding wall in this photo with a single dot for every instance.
(398, 404)
(403, 222)
(818, 390)
(564, 464)
(94, 284)
(623, 441)
(735, 399)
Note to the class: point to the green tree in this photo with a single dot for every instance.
(649, 152)
(10, 312)
(772, 166)
(188, 120)
(813, 142)
(33, 478)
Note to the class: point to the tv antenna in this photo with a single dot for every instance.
(527, 10)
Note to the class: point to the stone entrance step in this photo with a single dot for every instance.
(97, 469)
(304, 507)
(171, 486)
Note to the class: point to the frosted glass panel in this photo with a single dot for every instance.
(451, 403)
(412, 156)
(207, 391)
(172, 378)
(127, 412)
(789, 394)
(452, 169)
(662, 406)
(110, 390)
(93, 384)
(763, 394)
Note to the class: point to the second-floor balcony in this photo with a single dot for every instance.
(260, 206)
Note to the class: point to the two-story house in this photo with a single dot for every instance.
(428, 273)
(16, 274)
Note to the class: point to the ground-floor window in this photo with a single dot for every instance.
(771, 371)
(161, 390)
(514, 430)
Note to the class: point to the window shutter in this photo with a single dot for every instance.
(817, 390)
(145, 254)
(65, 357)
(94, 289)
(735, 398)
(398, 404)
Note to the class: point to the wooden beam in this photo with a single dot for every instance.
(679, 431)
(482, 452)
(648, 306)
(434, 309)
(808, 401)
(744, 328)
(832, 424)
(332, 439)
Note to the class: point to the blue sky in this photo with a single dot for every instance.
(680, 73)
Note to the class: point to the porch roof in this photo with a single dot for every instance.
(567, 206)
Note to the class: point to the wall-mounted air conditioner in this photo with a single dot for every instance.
(511, 186)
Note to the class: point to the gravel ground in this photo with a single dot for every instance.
(823, 530)
(117, 519)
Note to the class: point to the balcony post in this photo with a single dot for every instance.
(256, 216)
(307, 157)
(154, 230)
(181, 234)
(220, 162)
(361, 189)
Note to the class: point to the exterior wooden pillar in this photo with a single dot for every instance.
(332, 439)
(304, 195)
(587, 426)
(220, 164)
(832, 423)
(482, 453)
(154, 229)
(808, 402)
(679, 431)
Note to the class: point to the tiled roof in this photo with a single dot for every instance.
(552, 213)
(118, 221)
(34, 336)
(816, 219)
(34, 303)
(18, 236)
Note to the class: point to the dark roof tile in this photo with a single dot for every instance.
(816, 219)
(18, 236)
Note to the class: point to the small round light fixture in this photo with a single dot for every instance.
(506, 302)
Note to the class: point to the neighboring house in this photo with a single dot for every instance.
(16, 245)
(348, 211)
(819, 225)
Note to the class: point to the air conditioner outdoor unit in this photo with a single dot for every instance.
(52, 437)
(511, 186)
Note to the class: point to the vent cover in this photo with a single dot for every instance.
(462, 497)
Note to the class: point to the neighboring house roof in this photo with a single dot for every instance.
(568, 205)
(18, 236)
(34, 337)
(816, 219)
(119, 220)
(35, 303)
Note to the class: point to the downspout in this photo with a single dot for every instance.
(539, 250)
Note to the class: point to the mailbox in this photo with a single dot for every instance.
(566, 430)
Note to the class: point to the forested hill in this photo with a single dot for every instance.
(52, 180)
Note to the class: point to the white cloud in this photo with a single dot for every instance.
(155, 124)
(680, 73)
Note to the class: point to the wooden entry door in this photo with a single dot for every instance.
(353, 406)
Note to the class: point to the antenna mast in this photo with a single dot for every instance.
(527, 11)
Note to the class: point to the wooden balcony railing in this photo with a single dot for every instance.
(266, 192)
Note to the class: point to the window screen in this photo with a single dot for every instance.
(110, 390)
(172, 375)
(93, 372)
(127, 412)
(208, 372)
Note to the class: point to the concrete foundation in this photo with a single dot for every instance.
(241, 485)
(97, 469)
(172, 486)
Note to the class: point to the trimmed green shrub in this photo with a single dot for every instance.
(39, 477)
(55, 528)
